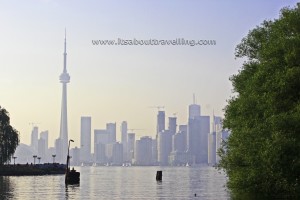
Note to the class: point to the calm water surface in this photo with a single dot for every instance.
(121, 183)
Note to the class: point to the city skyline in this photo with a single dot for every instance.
(175, 144)
(115, 84)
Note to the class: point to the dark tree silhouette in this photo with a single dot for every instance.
(9, 137)
(263, 151)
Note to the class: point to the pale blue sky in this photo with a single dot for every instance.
(115, 83)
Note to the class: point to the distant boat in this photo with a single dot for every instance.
(187, 164)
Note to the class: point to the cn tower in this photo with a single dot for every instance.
(64, 79)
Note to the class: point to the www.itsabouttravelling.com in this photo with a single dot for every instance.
(154, 42)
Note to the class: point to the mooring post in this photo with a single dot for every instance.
(159, 175)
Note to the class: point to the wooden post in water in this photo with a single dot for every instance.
(159, 175)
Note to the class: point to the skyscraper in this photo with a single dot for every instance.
(43, 145)
(85, 139)
(160, 126)
(131, 146)
(101, 139)
(41, 149)
(64, 79)
(154, 150)
(58, 151)
(212, 148)
(179, 142)
(111, 129)
(198, 130)
(34, 139)
(164, 147)
(44, 135)
(183, 128)
(124, 139)
(172, 125)
(194, 109)
(143, 151)
(75, 153)
(160, 121)
(114, 153)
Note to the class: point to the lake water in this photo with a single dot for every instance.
(121, 183)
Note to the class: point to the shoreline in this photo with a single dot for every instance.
(32, 170)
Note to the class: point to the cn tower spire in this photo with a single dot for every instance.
(64, 79)
(65, 53)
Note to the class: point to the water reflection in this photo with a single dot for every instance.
(6, 188)
(120, 183)
(71, 191)
(159, 188)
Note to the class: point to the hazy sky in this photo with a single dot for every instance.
(116, 83)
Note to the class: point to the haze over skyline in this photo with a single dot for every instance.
(117, 83)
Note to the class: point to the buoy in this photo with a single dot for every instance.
(159, 175)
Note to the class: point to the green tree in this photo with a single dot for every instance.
(9, 137)
(263, 151)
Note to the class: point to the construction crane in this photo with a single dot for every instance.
(33, 124)
(134, 129)
(158, 107)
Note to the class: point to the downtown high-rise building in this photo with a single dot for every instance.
(164, 147)
(114, 153)
(160, 127)
(124, 140)
(179, 154)
(172, 125)
(198, 131)
(43, 146)
(34, 139)
(59, 151)
(160, 121)
(179, 142)
(44, 135)
(143, 151)
(194, 109)
(154, 150)
(63, 135)
(42, 149)
(101, 139)
(212, 149)
(111, 129)
(212, 140)
(131, 146)
(75, 153)
(193, 129)
(85, 139)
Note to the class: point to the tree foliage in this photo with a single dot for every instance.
(9, 137)
(263, 151)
